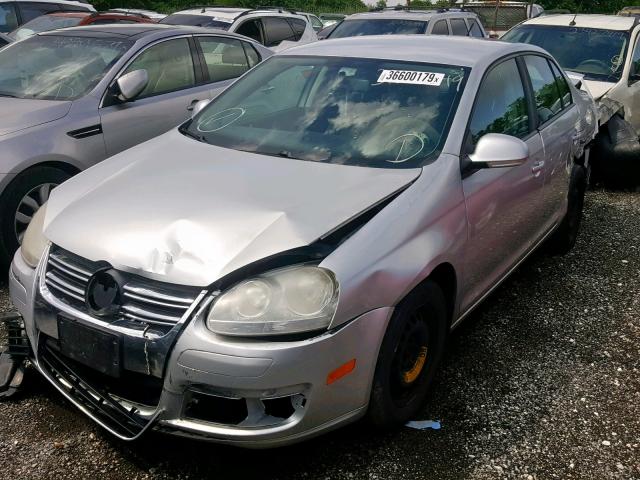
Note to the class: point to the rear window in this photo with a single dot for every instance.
(356, 28)
(44, 24)
(195, 21)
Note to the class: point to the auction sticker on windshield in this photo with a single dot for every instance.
(412, 77)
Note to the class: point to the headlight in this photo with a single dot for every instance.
(289, 300)
(34, 242)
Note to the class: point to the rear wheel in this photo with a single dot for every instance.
(564, 238)
(409, 356)
(20, 201)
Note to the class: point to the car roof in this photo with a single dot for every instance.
(231, 13)
(407, 14)
(446, 50)
(606, 22)
(138, 31)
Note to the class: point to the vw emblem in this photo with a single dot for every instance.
(103, 294)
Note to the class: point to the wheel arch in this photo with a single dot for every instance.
(445, 276)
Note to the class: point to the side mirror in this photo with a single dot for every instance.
(496, 150)
(199, 106)
(132, 84)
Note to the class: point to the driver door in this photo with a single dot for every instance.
(174, 87)
(505, 212)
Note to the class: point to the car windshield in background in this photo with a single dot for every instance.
(44, 24)
(195, 21)
(356, 28)
(374, 113)
(55, 67)
(596, 53)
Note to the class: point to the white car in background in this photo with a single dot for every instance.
(603, 52)
(275, 28)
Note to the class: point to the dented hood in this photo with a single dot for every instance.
(20, 113)
(186, 212)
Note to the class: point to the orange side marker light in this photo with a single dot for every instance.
(341, 371)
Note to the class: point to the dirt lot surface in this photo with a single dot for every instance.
(543, 381)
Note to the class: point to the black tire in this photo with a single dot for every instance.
(11, 199)
(415, 338)
(564, 238)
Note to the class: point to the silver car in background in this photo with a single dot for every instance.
(293, 258)
(72, 98)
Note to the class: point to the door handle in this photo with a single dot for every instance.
(192, 105)
(537, 167)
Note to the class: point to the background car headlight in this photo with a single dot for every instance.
(289, 300)
(34, 242)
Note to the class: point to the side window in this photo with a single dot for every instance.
(169, 66)
(440, 28)
(277, 29)
(501, 106)
(634, 73)
(547, 95)
(563, 86)
(31, 10)
(8, 17)
(298, 26)
(316, 23)
(251, 29)
(224, 58)
(474, 28)
(458, 27)
(252, 55)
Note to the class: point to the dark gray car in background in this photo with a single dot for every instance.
(72, 98)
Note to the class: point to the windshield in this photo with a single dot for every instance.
(195, 21)
(598, 54)
(54, 67)
(44, 24)
(355, 28)
(374, 113)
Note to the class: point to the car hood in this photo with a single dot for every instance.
(21, 113)
(185, 212)
(598, 89)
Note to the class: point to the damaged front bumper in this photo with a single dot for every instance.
(189, 381)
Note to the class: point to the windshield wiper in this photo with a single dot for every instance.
(185, 131)
(8, 95)
(287, 154)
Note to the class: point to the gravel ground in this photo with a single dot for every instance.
(541, 382)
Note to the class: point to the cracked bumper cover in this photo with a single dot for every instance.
(249, 369)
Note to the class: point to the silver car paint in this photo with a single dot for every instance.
(35, 131)
(478, 228)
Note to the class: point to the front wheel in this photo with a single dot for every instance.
(20, 201)
(564, 238)
(409, 356)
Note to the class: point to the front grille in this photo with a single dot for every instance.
(144, 302)
(128, 423)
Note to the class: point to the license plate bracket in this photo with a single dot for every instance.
(89, 346)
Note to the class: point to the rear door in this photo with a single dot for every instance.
(556, 121)
(175, 85)
(504, 205)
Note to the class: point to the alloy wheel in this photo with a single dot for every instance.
(29, 205)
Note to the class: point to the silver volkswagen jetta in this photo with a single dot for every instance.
(293, 258)
(71, 98)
